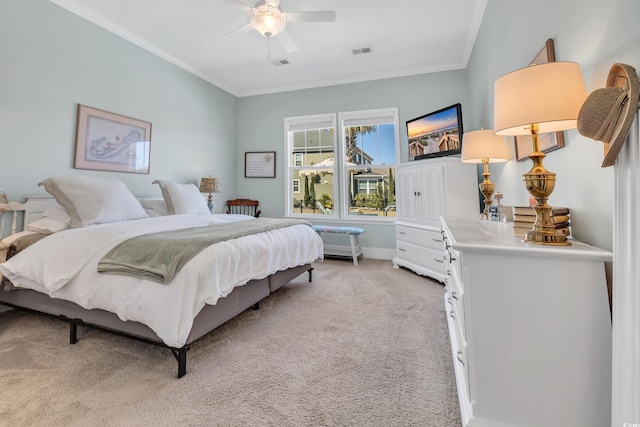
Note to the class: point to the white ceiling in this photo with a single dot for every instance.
(406, 37)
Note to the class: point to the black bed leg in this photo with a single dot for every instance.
(182, 362)
(256, 306)
(181, 356)
(310, 271)
(73, 333)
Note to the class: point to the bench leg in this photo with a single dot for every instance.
(354, 245)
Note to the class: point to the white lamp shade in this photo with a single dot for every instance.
(483, 144)
(549, 95)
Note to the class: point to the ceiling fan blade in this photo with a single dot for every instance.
(286, 41)
(316, 16)
(238, 3)
(243, 27)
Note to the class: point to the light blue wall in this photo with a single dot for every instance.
(261, 127)
(52, 60)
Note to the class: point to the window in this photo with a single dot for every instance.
(347, 179)
(370, 147)
(311, 144)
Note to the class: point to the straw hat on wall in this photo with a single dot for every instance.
(607, 113)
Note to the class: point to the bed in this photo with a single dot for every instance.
(57, 275)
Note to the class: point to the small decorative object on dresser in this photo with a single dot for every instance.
(425, 191)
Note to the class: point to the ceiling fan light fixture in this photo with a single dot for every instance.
(268, 21)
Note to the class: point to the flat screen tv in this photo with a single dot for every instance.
(435, 134)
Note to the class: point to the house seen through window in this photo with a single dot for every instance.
(343, 171)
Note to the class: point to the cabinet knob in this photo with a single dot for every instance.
(418, 193)
(450, 257)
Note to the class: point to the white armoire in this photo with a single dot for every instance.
(425, 191)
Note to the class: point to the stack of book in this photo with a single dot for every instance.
(524, 217)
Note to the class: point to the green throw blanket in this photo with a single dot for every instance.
(159, 256)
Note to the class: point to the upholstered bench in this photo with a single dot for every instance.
(353, 232)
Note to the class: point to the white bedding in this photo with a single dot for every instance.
(64, 265)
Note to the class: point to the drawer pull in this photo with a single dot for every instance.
(449, 272)
(402, 249)
(437, 240)
(401, 232)
(452, 315)
(459, 356)
(450, 257)
(438, 260)
(454, 295)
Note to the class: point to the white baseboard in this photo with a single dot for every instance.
(371, 253)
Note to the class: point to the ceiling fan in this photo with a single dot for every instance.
(269, 20)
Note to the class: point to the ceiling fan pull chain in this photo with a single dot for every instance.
(268, 48)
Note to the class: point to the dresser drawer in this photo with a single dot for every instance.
(420, 236)
(426, 257)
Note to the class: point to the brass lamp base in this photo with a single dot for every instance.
(540, 184)
(486, 188)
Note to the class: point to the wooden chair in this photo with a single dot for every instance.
(243, 206)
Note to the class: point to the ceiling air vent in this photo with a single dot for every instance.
(280, 62)
(361, 51)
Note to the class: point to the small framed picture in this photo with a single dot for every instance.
(260, 164)
(110, 142)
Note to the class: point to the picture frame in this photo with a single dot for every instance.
(260, 164)
(546, 141)
(111, 142)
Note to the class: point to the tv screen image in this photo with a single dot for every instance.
(435, 134)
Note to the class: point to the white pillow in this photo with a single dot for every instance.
(184, 199)
(56, 212)
(154, 207)
(46, 225)
(93, 200)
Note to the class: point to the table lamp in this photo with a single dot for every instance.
(483, 146)
(210, 185)
(539, 99)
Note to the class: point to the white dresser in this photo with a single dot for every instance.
(530, 328)
(425, 191)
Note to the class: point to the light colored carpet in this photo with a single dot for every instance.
(359, 346)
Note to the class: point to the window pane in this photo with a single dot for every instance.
(315, 195)
(371, 191)
(312, 147)
(370, 144)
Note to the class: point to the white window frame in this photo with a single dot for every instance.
(340, 169)
(364, 117)
(315, 121)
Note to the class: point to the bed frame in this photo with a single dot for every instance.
(209, 318)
